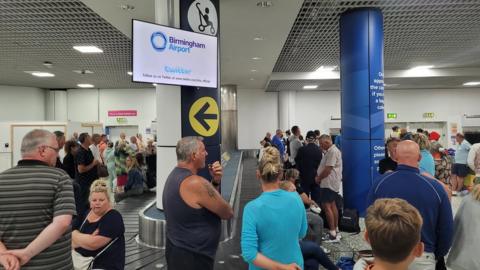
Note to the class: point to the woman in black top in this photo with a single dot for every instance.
(100, 233)
(71, 148)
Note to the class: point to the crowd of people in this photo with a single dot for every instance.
(58, 214)
(417, 173)
(51, 220)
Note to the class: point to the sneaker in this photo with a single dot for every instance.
(339, 236)
(332, 239)
(325, 250)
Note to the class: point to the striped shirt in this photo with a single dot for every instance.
(31, 195)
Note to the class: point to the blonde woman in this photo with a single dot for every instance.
(274, 222)
(427, 164)
(466, 239)
(100, 232)
(135, 179)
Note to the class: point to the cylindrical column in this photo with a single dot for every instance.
(361, 60)
(57, 105)
(229, 123)
(286, 109)
(168, 99)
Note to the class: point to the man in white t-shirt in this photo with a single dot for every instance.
(96, 138)
(329, 176)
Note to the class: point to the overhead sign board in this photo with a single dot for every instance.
(168, 55)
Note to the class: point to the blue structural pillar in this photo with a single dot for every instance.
(361, 66)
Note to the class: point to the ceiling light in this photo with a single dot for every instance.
(85, 85)
(48, 64)
(471, 84)
(252, 79)
(258, 38)
(253, 70)
(130, 73)
(88, 49)
(256, 58)
(423, 67)
(264, 4)
(326, 68)
(154, 84)
(310, 86)
(41, 74)
(83, 71)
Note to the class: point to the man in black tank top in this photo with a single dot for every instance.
(193, 209)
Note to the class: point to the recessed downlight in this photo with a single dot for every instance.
(85, 85)
(154, 84)
(258, 38)
(256, 58)
(326, 68)
(253, 70)
(130, 73)
(88, 49)
(252, 79)
(40, 74)
(471, 84)
(310, 86)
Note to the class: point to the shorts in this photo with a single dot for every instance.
(182, 259)
(327, 195)
(460, 169)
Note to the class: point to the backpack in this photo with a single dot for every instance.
(345, 263)
(349, 221)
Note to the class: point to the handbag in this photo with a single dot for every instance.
(81, 262)
(349, 221)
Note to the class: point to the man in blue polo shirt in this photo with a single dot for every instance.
(427, 195)
(277, 142)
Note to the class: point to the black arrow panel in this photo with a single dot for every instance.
(189, 96)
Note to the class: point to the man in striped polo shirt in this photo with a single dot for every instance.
(36, 208)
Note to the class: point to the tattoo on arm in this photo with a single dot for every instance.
(210, 190)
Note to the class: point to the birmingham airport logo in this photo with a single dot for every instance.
(160, 42)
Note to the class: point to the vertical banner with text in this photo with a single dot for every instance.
(362, 98)
(201, 105)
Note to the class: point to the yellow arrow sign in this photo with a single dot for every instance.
(204, 116)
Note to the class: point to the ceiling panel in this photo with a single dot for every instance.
(444, 33)
(34, 31)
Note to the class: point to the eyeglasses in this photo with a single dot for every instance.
(53, 148)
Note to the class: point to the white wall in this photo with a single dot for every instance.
(22, 103)
(92, 105)
(257, 114)
(82, 105)
(257, 110)
(315, 109)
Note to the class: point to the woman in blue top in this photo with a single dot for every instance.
(427, 163)
(274, 222)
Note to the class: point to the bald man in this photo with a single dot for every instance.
(426, 194)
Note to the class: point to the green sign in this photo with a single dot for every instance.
(391, 116)
(122, 120)
(428, 115)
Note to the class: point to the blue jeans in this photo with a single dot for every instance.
(313, 255)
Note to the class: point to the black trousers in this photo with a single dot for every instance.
(182, 259)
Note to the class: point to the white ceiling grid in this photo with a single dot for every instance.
(34, 31)
(444, 33)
